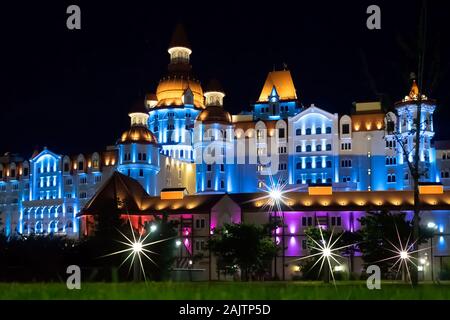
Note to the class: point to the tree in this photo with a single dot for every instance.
(380, 231)
(245, 246)
(164, 250)
(312, 269)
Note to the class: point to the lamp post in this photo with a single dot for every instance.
(137, 249)
(433, 227)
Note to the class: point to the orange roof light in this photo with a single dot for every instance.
(173, 194)
(320, 190)
(431, 189)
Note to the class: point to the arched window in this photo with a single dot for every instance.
(329, 164)
(298, 132)
(308, 148)
(328, 130)
(53, 227)
(329, 147)
(299, 165)
(319, 147)
(38, 227)
(69, 226)
(319, 130)
(308, 131)
(298, 149)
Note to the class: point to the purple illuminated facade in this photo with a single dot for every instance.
(199, 215)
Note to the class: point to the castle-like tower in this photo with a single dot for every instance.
(139, 151)
(178, 101)
(213, 140)
(407, 110)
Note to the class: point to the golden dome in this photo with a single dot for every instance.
(170, 92)
(214, 114)
(138, 134)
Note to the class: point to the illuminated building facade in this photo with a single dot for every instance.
(183, 137)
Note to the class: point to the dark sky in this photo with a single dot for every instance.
(71, 90)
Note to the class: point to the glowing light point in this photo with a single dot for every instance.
(432, 225)
(137, 247)
(153, 228)
(404, 255)
(178, 243)
(326, 252)
(275, 194)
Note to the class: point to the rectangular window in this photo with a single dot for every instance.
(304, 221)
(304, 245)
(345, 129)
(281, 133)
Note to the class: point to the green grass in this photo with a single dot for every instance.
(224, 291)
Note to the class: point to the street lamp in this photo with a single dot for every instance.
(432, 226)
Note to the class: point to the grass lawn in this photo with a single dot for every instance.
(223, 291)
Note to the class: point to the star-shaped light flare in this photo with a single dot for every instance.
(403, 255)
(275, 194)
(137, 248)
(327, 252)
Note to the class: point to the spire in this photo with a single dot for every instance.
(139, 114)
(214, 85)
(214, 94)
(179, 50)
(414, 93)
(179, 38)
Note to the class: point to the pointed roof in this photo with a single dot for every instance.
(414, 92)
(414, 95)
(139, 107)
(214, 86)
(283, 83)
(179, 37)
(119, 192)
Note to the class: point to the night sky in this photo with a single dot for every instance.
(71, 90)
